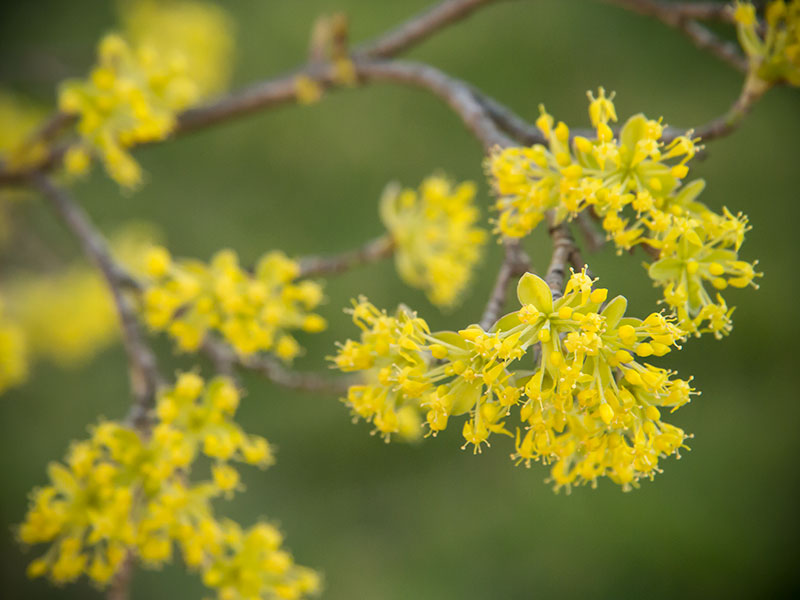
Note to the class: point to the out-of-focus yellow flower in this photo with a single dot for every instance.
(197, 35)
(773, 50)
(66, 316)
(19, 118)
(437, 242)
(13, 352)
(171, 55)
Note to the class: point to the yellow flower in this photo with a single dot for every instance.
(13, 353)
(633, 184)
(590, 407)
(437, 241)
(773, 50)
(197, 37)
(118, 493)
(253, 312)
(170, 56)
(18, 120)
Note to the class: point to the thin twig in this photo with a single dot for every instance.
(565, 254)
(594, 239)
(120, 587)
(515, 264)
(752, 90)
(144, 375)
(509, 121)
(420, 27)
(683, 16)
(373, 251)
(672, 12)
(705, 39)
(223, 356)
(454, 92)
(296, 380)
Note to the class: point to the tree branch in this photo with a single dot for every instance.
(594, 239)
(752, 90)
(683, 16)
(420, 27)
(373, 251)
(565, 254)
(515, 264)
(120, 587)
(224, 358)
(672, 12)
(454, 92)
(142, 367)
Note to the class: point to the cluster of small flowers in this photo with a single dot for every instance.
(437, 243)
(198, 35)
(142, 81)
(13, 352)
(254, 312)
(18, 120)
(590, 407)
(632, 184)
(67, 316)
(120, 494)
(774, 50)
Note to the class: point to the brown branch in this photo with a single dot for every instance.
(705, 39)
(295, 380)
(420, 27)
(509, 121)
(515, 264)
(454, 92)
(565, 254)
(752, 90)
(224, 358)
(683, 16)
(594, 239)
(143, 370)
(672, 12)
(372, 251)
(120, 587)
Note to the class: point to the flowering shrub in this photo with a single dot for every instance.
(565, 375)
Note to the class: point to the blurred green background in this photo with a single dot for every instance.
(429, 521)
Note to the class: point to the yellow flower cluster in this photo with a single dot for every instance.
(632, 183)
(18, 120)
(590, 407)
(197, 35)
(67, 316)
(13, 352)
(774, 51)
(437, 243)
(120, 493)
(172, 55)
(254, 312)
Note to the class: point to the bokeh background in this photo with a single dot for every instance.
(429, 521)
